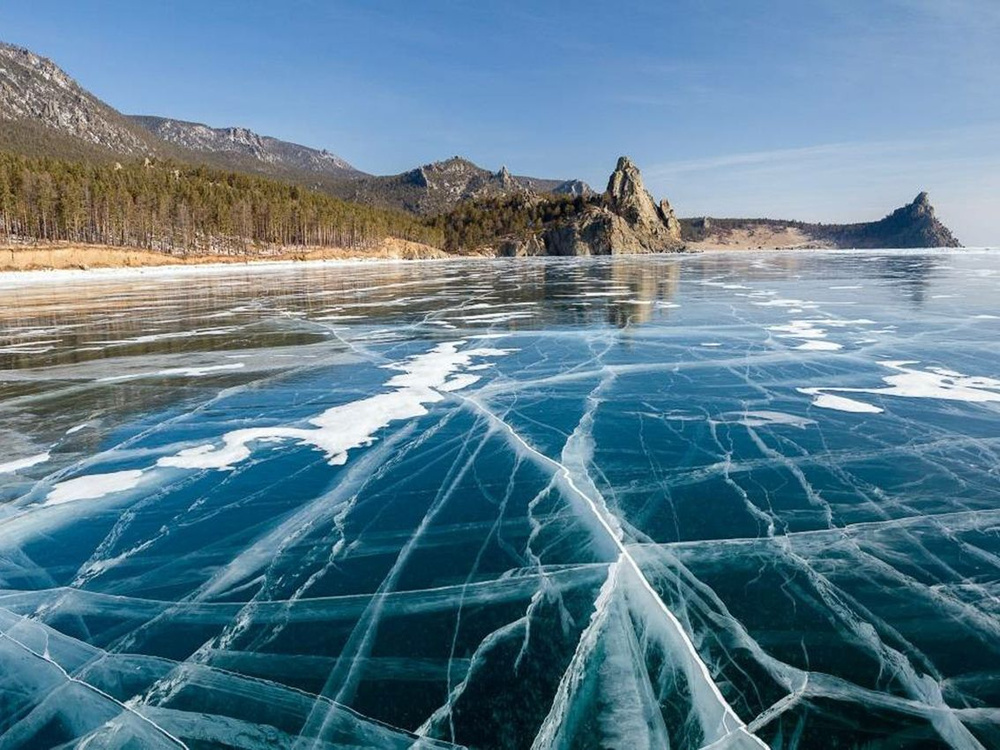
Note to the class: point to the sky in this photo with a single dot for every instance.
(818, 110)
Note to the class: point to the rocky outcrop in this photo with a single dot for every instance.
(518, 248)
(672, 223)
(572, 187)
(913, 225)
(505, 180)
(625, 220)
(626, 196)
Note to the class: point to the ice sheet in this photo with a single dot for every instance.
(716, 501)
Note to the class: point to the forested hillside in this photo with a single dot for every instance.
(183, 209)
(485, 222)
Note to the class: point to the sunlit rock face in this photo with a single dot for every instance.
(625, 221)
(35, 90)
(717, 501)
(627, 197)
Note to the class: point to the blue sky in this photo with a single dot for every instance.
(827, 110)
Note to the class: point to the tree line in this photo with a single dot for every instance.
(486, 221)
(180, 209)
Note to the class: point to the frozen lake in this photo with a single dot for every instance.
(727, 501)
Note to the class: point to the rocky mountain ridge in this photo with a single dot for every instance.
(439, 186)
(195, 136)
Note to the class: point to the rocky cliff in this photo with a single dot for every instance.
(625, 220)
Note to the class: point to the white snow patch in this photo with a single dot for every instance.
(936, 382)
(423, 380)
(820, 346)
(798, 329)
(839, 403)
(199, 371)
(763, 418)
(23, 463)
(92, 486)
(498, 317)
(192, 372)
(149, 338)
(778, 302)
(932, 382)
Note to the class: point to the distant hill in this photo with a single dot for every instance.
(241, 142)
(439, 187)
(911, 226)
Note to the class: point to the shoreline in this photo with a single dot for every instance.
(166, 265)
(202, 266)
(64, 256)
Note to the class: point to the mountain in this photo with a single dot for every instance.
(438, 187)
(241, 142)
(911, 226)
(45, 112)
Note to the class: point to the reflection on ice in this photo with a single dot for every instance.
(579, 503)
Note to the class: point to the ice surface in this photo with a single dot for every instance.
(719, 501)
